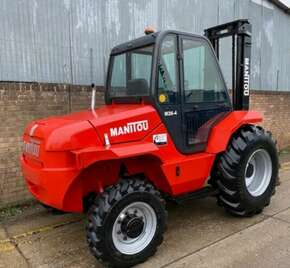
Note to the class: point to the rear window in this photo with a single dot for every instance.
(131, 73)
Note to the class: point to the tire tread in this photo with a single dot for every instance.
(231, 195)
(103, 205)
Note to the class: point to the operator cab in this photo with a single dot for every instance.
(178, 73)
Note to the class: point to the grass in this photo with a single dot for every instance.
(285, 150)
(11, 211)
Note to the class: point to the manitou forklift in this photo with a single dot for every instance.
(169, 130)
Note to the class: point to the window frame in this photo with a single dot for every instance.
(217, 67)
(177, 67)
(128, 53)
(112, 71)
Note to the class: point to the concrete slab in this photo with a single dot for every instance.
(285, 157)
(59, 240)
(61, 247)
(284, 215)
(266, 244)
(196, 225)
(2, 233)
(280, 201)
(285, 173)
(191, 226)
(37, 221)
(10, 257)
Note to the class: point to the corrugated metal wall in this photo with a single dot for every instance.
(68, 41)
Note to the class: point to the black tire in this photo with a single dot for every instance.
(231, 168)
(106, 209)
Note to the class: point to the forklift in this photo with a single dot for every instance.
(168, 130)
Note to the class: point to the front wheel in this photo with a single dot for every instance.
(247, 172)
(126, 223)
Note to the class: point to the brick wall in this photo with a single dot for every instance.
(21, 103)
(275, 107)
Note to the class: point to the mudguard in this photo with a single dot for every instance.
(221, 133)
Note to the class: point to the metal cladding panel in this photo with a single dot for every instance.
(50, 24)
(267, 48)
(282, 51)
(255, 17)
(226, 12)
(67, 41)
(16, 39)
(188, 15)
(87, 42)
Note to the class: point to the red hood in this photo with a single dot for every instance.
(121, 123)
(124, 123)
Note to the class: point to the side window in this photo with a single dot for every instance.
(119, 71)
(141, 66)
(202, 80)
(141, 63)
(167, 89)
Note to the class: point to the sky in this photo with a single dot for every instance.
(285, 2)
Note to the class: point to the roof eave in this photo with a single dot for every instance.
(281, 5)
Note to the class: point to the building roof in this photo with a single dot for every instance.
(283, 4)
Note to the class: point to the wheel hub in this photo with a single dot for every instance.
(250, 170)
(132, 226)
(258, 172)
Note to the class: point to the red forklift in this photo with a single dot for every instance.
(168, 131)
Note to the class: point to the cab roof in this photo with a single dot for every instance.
(135, 43)
(147, 40)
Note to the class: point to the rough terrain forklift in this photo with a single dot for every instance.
(169, 130)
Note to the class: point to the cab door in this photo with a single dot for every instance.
(191, 92)
(204, 97)
(168, 89)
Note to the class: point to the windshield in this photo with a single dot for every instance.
(131, 73)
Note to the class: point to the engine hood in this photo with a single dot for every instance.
(124, 122)
(114, 123)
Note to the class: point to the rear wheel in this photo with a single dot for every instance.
(247, 171)
(126, 223)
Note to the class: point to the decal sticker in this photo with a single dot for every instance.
(106, 138)
(162, 98)
(31, 148)
(131, 127)
(247, 77)
(160, 139)
(170, 113)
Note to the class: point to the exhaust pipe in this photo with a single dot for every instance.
(93, 99)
